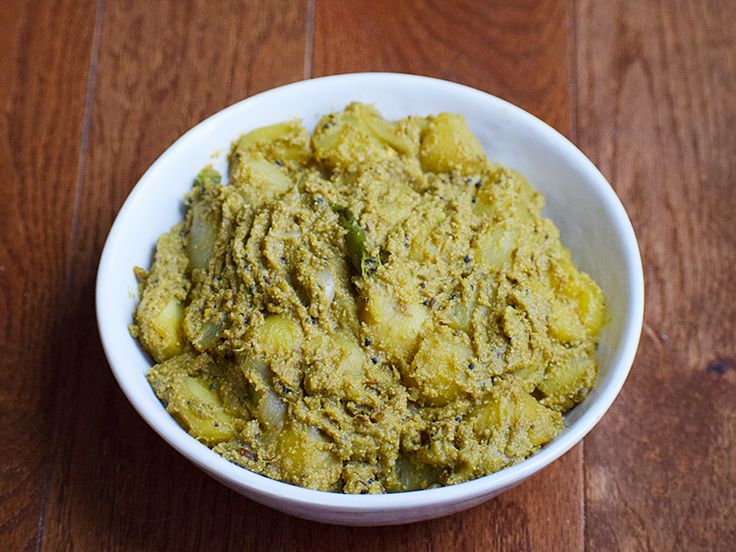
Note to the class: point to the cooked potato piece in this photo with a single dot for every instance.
(442, 369)
(266, 179)
(565, 324)
(542, 424)
(190, 397)
(356, 136)
(276, 349)
(261, 179)
(449, 145)
(278, 335)
(495, 246)
(306, 458)
(265, 162)
(514, 414)
(424, 246)
(351, 361)
(395, 325)
(590, 303)
(412, 475)
(505, 194)
(282, 142)
(389, 133)
(578, 287)
(157, 320)
(168, 325)
(203, 413)
(334, 366)
(567, 382)
(492, 416)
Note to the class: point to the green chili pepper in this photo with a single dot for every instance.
(361, 258)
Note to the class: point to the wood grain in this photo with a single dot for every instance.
(93, 90)
(161, 67)
(656, 111)
(519, 51)
(43, 76)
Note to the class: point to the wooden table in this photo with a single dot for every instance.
(92, 91)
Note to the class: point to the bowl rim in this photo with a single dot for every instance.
(274, 491)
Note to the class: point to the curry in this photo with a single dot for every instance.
(375, 307)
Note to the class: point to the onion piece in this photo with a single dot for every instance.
(327, 283)
(286, 235)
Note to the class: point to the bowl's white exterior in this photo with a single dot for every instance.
(591, 219)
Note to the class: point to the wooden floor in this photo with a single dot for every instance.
(92, 91)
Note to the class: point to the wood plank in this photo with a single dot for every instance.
(42, 101)
(519, 51)
(162, 67)
(116, 485)
(656, 111)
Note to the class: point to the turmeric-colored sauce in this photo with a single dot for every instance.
(375, 307)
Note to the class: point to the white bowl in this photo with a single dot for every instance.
(590, 217)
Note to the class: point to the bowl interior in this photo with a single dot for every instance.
(590, 217)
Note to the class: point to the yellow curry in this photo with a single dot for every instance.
(372, 308)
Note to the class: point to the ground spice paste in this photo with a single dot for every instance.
(373, 308)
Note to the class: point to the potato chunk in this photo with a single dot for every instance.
(585, 295)
(495, 247)
(396, 326)
(168, 325)
(157, 320)
(189, 394)
(515, 419)
(449, 145)
(305, 457)
(265, 179)
(273, 358)
(590, 304)
(265, 163)
(565, 324)
(412, 475)
(278, 335)
(541, 423)
(287, 143)
(350, 366)
(357, 136)
(567, 382)
(442, 369)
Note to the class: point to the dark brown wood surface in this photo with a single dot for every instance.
(656, 110)
(92, 91)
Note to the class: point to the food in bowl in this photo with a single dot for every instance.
(373, 308)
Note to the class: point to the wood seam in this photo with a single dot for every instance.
(66, 287)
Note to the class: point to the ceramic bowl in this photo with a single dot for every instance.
(591, 219)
